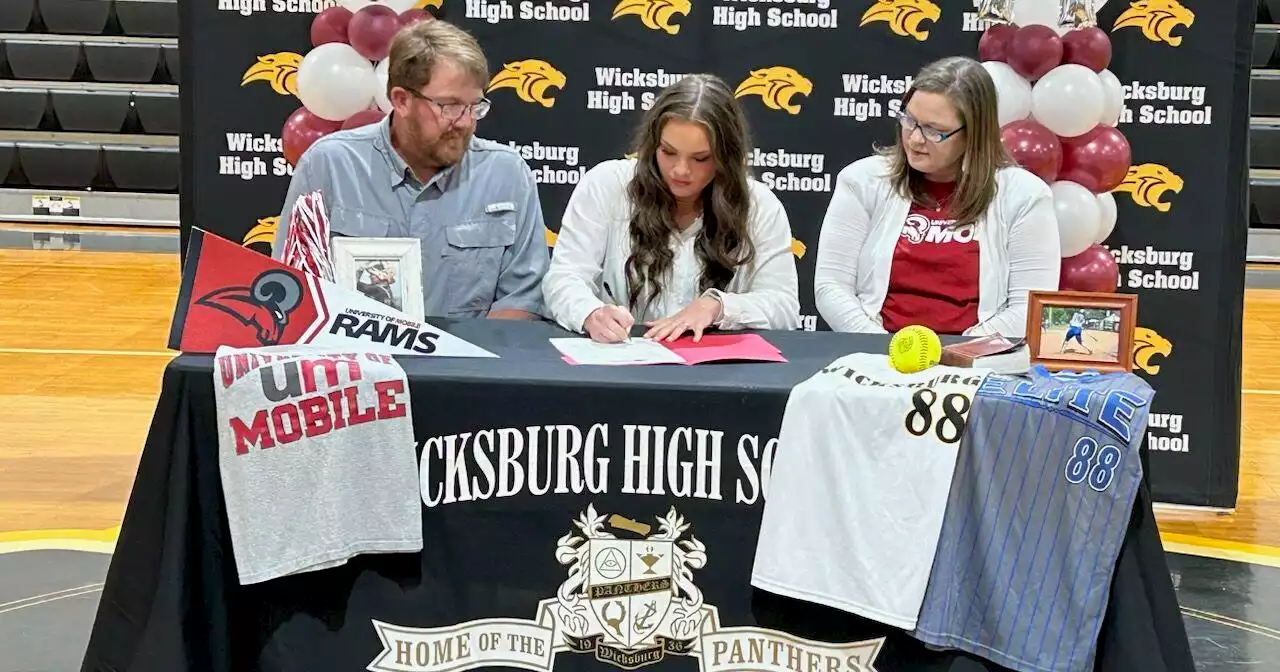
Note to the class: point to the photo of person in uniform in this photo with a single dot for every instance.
(378, 281)
(1081, 334)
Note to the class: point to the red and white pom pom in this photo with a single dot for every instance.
(306, 245)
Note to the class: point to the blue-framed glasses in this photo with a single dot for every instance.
(909, 124)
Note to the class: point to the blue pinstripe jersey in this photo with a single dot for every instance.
(1047, 476)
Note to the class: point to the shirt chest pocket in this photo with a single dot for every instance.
(473, 258)
(359, 223)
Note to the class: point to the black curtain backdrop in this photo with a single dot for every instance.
(1179, 241)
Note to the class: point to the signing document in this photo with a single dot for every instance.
(683, 350)
(630, 351)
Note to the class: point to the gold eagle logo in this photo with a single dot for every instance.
(655, 14)
(903, 16)
(263, 232)
(1147, 344)
(776, 86)
(1147, 184)
(1157, 19)
(530, 79)
(279, 69)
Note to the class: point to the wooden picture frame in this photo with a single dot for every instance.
(1081, 331)
(387, 270)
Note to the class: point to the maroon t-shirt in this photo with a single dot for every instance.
(933, 281)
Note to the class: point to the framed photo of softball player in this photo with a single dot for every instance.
(1081, 331)
(387, 270)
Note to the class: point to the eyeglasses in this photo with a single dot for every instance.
(909, 124)
(454, 111)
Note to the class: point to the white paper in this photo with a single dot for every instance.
(631, 351)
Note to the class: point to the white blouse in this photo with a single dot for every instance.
(594, 243)
(1018, 249)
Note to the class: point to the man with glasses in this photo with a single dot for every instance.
(421, 173)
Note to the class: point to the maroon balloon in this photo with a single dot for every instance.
(1033, 51)
(301, 129)
(371, 30)
(994, 44)
(1034, 147)
(1089, 47)
(364, 118)
(330, 26)
(1093, 270)
(412, 16)
(1097, 160)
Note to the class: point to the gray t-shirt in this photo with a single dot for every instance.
(316, 452)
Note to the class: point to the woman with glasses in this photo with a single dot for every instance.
(941, 228)
(680, 239)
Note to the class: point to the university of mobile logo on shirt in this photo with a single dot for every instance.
(921, 229)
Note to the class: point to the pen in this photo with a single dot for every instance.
(614, 301)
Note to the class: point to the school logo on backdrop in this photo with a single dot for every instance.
(264, 232)
(628, 600)
(530, 79)
(903, 16)
(1147, 346)
(1148, 183)
(1157, 19)
(776, 86)
(655, 14)
(280, 70)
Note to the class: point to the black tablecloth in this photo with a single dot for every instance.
(172, 601)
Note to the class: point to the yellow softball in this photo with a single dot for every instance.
(914, 348)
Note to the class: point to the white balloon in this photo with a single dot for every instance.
(1013, 92)
(380, 93)
(1068, 100)
(400, 6)
(1107, 207)
(1044, 13)
(354, 5)
(1079, 216)
(335, 81)
(1112, 98)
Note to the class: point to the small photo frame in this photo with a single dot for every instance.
(387, 270)
(1081, 331)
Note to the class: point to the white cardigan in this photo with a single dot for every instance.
(1017, 238)
(594, 243)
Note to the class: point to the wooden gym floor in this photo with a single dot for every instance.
(82, 349)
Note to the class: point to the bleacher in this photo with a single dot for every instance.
(1264, 137)
(89, 109)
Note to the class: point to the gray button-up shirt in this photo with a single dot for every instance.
(480, 221)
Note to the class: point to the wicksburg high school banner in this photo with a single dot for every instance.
(817, 79)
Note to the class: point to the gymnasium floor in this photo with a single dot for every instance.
(82, 350)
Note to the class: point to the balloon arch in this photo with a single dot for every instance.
(1058, 108)
(342, 81)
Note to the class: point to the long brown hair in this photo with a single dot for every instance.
(723, 244)
(969, 88)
